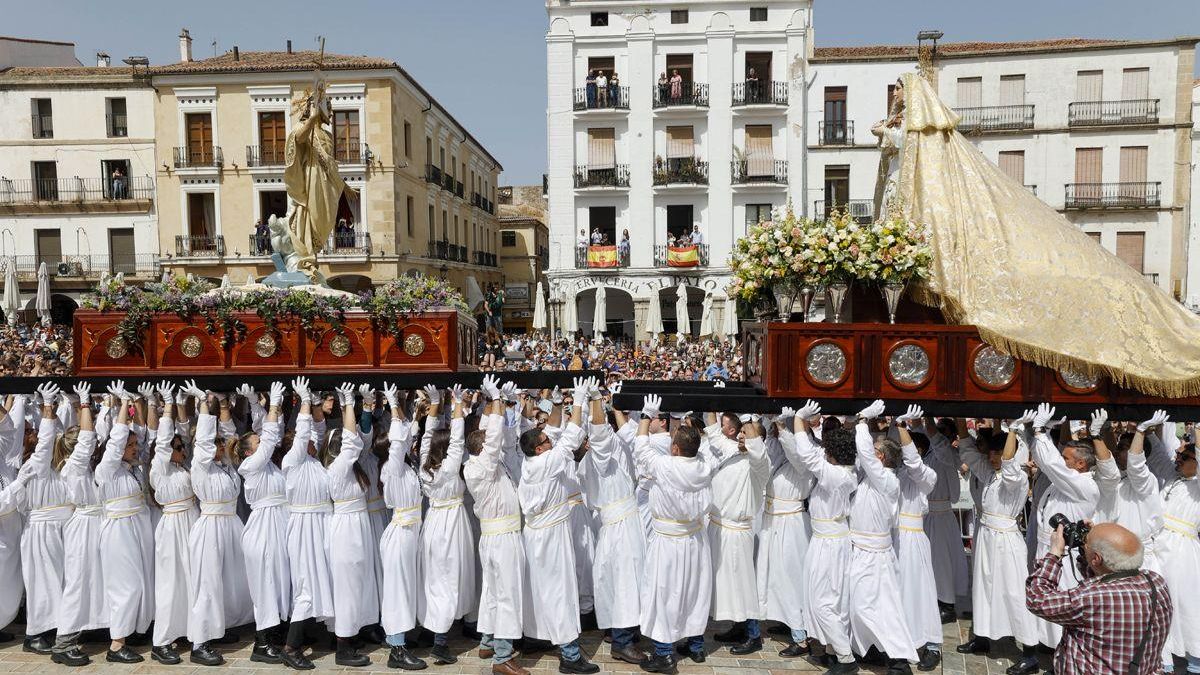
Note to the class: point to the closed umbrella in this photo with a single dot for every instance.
(600, 315)
(654, 324)
(42, 305)
(474, 296)
(730, 323)
(539, 310)
(683, 322)
(12, 292)
(706, 319)
(570, 322)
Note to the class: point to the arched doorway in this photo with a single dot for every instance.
(351, 283)
(695, 305)
(619, 322)
(62, 309)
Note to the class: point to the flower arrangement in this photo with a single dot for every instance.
(407, 296)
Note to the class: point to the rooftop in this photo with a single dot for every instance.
(65, 74)
(252, 62)
(963, 49)
(35, 41)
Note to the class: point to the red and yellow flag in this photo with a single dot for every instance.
(602, 256)
(683, 256)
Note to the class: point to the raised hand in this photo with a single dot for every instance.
(719, 384)
(192, 390)
(615, 388)
(872, 411)
(300, 388)
(116, 389)
(1158, 419)
(1099, 422)
(433, 393)
(146, 390)
(1041, 419)
(651, 405)
(1023, 420)
(276, 395)
(49, 393)
(456, 394)
(246, 391)
(345, 394)
(392, 395)
(810, 410)
(556, 396)
(914, 412)
(167, 391)
(490, 387)
(509, 391)
(83, 392)
(367, 392)
(581, 389)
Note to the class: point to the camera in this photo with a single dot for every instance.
(1075, 534)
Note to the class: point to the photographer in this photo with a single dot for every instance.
(1116, 620)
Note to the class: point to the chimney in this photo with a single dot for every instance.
(289, 46)
(236, 56)
(185, 46)
(102, 60)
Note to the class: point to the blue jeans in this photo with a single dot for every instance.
(799, 635)
(694, 644)
(502, 649)
(570, 651)
(396, 640)
(752, 631)
(622, 638)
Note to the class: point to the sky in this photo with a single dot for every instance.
(484, 60)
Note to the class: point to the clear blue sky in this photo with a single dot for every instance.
(485, 59)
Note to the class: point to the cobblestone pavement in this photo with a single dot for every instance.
(720, 661)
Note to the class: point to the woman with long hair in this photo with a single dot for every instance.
(309, 506)
(217, 585)
(353, 551)
(126, 536)
(264, 539)
(447, 547)
(172, 484)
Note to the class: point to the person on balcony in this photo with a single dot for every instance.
(752, 91)
(590, 88)
(614, 91)
(623, 246)
(697, 237)
(601, 90)
(663, 86)
(676, 87)
(120, 186)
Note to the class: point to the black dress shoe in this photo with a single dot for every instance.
(123, 655)
(898, 667)
(165, 655)
(265, 653)
(659, 664)
(929, 659)
(750, 646)
(37, 644)
(874, 657)
(976, 645)
(580, 665)
(73, 657)
(442, 656)
(839, 668)
(794, 650)
(1026, 666)
(401, 658)
(948, 615)
(696, 656)
(296, 660)
(629, 654)
(349, 656)
(736, 633)
(204, 655)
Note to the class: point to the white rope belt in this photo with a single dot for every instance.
(352, 505)
(871, 541)
(51, 514)
(829, 528)
(179, 506)
(124, 507)
(491, 527)
(1180, 526)
(780, 506)
(911, 522)
(225, 508)
(998, 522)
(550, 516)
(315, 507)
(676, 528)
(409, 515)
(269, 501)
(735, 525)
(90, 510)
(614, 512)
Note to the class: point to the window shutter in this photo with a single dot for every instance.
(680, 142)
(970, 92)
(760, 156)
(602, 151)
(1012, 90)
(1089, 85)
(1135, 84)
(1131, 247)
(1133, 164)
(1012, 163)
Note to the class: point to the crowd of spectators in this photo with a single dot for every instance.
(690, 360)
(36, 350)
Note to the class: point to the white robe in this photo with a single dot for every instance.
(1179, 556)
(950, 569)
(1133, 501)
(126, 541)
(660, 443)
(377, 510)
(308, 520)
(678, 584)
(784, 538)
(504, 590)
(42, 543)
(83, 605)
(264, 539)
(12, 521)
(173, 491)
(621, 545)
(737, 498)
(447, 545)
(400, 545)
(353, 551)
(918, 590)
(873, 576)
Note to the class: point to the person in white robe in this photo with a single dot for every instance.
(1073, 492)
(127, 535)
(264, 538)
(950, 569)
(873, 576)
(678, 578)
(12, 522)
(1001, 560)
(738, 488)
(504, 592)
(1178, 550)
(1129, 492)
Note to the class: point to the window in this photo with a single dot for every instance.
(1089, 173)
(1133, 188)
(115, 174)
(116, 120)
(603, 219)
(757, 213)
(202, 220)
(1089, 85)
(758, 13)
(837, 188)
(508, 238)
(445, 226)
(49, 247)
(199, 139)
(428, 150)
(1012, 163)
(431, 217)
(679, 16)
(272, 138)
(681, 63)
(1012, 90)
(602, 152)
(272, 203)
(121, 251)
(970, 92)
(1131, 247)
(45, 181)
(760, 156)
(599, 18)
(408, 140)
(680, 221)
(43, 118)
(408, 212)
(346, 146)
(758, 66)
(1135, 84)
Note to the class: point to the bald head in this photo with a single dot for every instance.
(1112, 548)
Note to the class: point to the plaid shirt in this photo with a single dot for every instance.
(1103, 620)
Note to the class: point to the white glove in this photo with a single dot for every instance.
(509, 391)
(1158, 419)
(192, 390)
(435, 396)
(490, 387)
(346, 394)
(167, 391)
(787, 412)
(456, 394)
(594, 392)
(581, 389)
(392, 394)
(914, 413)
(316, 399)
(116, 389)
(719, 384)
(1099, 422)
(872, 411)
(246, 391)
(83, 392)
(1045, 413)
(276, 395)
(367, 392)
(650, 405)
(300, 388)
(615, 388)
(146, 391)
(810, 410)
(556, 396)
(1020, 423)
(49, 393)
(1053, 423)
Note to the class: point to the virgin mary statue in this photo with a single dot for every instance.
(1032, 282)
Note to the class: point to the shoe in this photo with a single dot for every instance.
(165, 655)
(1026, 666)
(123, 655)
(929, 659)
(975, 645)
(948, 615)
(898, 667)
(37, 645)
(295, 660)
(659, 664)
(509, 667)
(374, 635)
(794, 650)
(696, 657)
(750, 646)
(579, 665)
(629, 654)
(839, 668)
(486, 652)
(204, 655)
(442, 656)
(349, 656)
(265, 653)
(874, 657)
(73, 657)
(401, 658)
(736, 633)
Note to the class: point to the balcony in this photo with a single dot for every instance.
(760, 92)
(444, 250)
(995, 118)
(1112, 195)
(260, 245)
(448, 182)
(188, 157)
(688, 94)
(139, 265)
(1152, 277)
(861, 210)
(458, 189)
(601, 258)
(43, 126)
(350, 153)
(117, 125)
(587, 98)
(485, 259)
(39, 195)
(681, 257)
(433, 175)
(835, 132)
(1102, 113)
(616, 176)
(680, 171)
(348, 244)
(199, 246)
(760, 172)
(264, 155)
(478, 201)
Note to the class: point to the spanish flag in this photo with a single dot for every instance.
(602, 256)
(683, 256)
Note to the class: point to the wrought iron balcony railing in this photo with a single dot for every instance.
(608, 98)
(751, 171)
(686, 94)
(680, 171)
(615, 176)
(265, 155)
(199, 246)
(682, 256)
(861, 210)
(348, 243)
(1100, 113)
(350, 153)
(995, 118)
(75, 190)
(117, 125)
(1112, 195)
(43, 126)
(760, 92)
(835, 132)
(187, 157)
(433, 174)
(601, 257)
